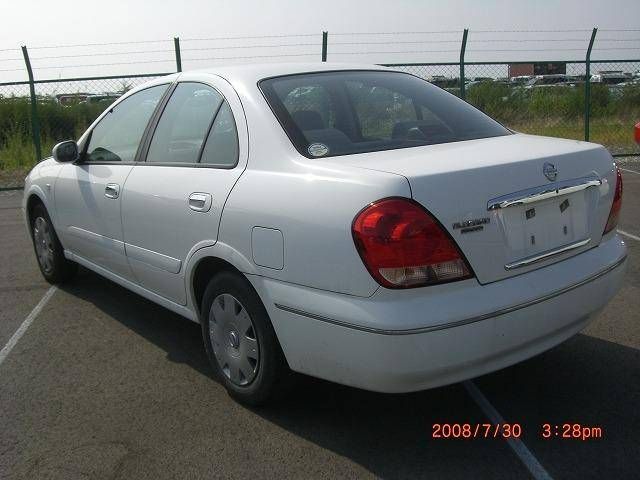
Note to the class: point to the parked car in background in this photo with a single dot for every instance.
(574, 80)
(617, 90)
(479, 79)
(545, 81)
(520, 80)
(611, 77)
(71, 98)
(351, 223)
(68, 99)
(102, 97)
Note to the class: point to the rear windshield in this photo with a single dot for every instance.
(338, 113)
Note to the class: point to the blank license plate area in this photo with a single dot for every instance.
(539, 227)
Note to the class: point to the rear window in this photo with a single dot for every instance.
(339, 113)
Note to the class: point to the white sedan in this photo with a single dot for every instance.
(352, 223)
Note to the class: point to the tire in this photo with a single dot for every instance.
(55, 268)
(240, 341)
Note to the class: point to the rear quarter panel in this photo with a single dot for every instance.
(313, 206)
(311, 201)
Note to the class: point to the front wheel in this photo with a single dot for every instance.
(240, 342)
(54, 266)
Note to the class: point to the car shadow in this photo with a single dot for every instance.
(177, 336)
(586, 380)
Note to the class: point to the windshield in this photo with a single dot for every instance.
(338, 113)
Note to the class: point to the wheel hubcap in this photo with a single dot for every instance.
(43, 240)
(233, 339)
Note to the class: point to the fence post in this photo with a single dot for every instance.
(587, 86)
(325, 36)
(176, 46)
(35, 121)
(463, 47)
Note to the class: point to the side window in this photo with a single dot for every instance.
(221, 147)
(379, 110)
(184, 124)
(117, 136)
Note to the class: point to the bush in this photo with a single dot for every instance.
(492, 98)
(57, 123)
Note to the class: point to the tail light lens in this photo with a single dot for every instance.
(403, 246)
(612, 222)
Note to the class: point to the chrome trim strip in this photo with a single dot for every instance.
(155, 259)
(544, 192)
(459, 323)
(101, 240)
(545, 255)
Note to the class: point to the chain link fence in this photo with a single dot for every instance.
(64, 109)
(615, 105)
(553, 105)
(596, 100)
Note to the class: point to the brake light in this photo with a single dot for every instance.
(617, 204)
(636, 130)
(403, 246)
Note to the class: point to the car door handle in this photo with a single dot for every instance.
(112, 190)
(200, 202)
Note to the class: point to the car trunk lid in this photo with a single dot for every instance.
(501, 201)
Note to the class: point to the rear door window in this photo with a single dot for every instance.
(221, 147)
(184, 124)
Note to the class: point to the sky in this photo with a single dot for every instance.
(566, 25)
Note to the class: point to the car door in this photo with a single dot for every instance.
(87, 193)
(173, 201)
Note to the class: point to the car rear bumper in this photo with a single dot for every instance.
(400, 341)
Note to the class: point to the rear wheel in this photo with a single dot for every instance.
(240, 342)
(54, 266)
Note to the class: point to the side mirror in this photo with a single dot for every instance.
(66, 151)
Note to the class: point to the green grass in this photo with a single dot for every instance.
(614, 133)
(57, 123)
(18, 152)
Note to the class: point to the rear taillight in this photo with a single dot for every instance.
(617, 204)
(403, 246)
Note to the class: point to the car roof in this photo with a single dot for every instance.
(253, 73)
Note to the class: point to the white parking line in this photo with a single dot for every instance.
(634, 237)
(27, 321)
(627, 170)
(524, 454)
